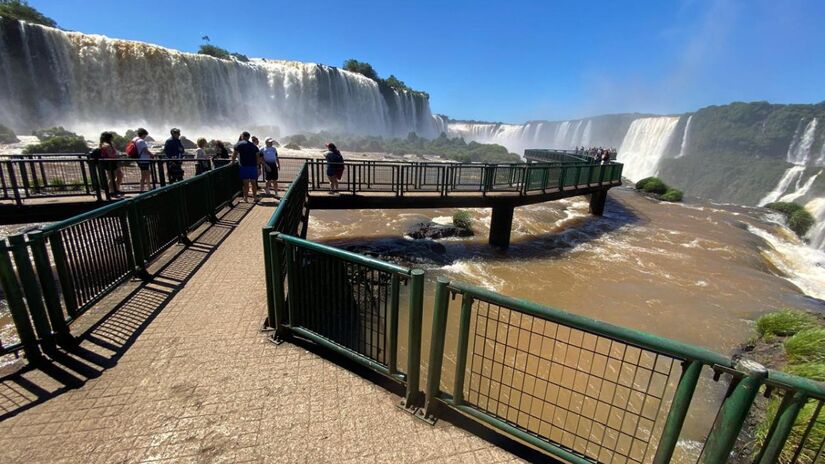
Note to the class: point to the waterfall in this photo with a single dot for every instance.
(89, 83)
(644, 145)
(685, 137)
(792, 174)
(801, 190)
(800, 149)
(816, 235)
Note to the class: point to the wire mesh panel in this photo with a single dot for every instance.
(98, 255)
(159, 221)
(805, 442)
(354, 307)
(584, 174)
(571, 176)
(595, 396)
(466, 177)
(507, 177)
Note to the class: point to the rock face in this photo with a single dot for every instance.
(434, 231)
(403, 252)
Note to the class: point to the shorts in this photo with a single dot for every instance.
(249, 172)
(143, 165)
(110, 165)
(272, 174)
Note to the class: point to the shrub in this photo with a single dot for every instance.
(806, 346)
(57, 140)
(785, 322)
(672, 195)
(813, 371)
(21, 11)
(797, 217)
(7, 135)
(240, 57)
(292, 146)
(215, 52)
(640, 185)
(655, 185)
(462, 219)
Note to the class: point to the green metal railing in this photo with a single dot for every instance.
(556, 156)
(578, 389)
(449, 178)
(52, 275)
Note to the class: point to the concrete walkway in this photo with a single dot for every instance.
(180, 373)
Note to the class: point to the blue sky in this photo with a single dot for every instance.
(510, 61)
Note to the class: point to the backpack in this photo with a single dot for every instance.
(95, 154)
(131, 150)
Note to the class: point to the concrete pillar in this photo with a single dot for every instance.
(500, 225)
(597, 200)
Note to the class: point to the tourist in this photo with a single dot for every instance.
(144, 158)
(109, 160)
(221, 157)
(200, 155)
(335, 166)
(248, 157)
(271, 165)
(606, 157)
(173, 149)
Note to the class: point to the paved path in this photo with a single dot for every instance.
(180, 373)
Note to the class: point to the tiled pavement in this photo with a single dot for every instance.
(181, 373)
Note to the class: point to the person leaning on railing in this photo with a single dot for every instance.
(335, 166)
(108, 157)
(203, 159)
(144, 158)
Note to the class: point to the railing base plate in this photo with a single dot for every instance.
(275, 339)
(428, 419)
(411, 410)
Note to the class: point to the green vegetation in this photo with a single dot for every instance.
(22, 11)
(813, 370)
(221, 53)
(7, 135)
(292, 146)
(806, 346)
(453, 149)
(672, 195)
(57, 140)
(462, 219)
(785, 323)
(120, 141)
(806, 415)
(392, 82)
(656, 186)
(798, 218)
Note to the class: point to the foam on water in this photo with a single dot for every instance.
(798, 263)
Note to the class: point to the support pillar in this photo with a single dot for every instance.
(500, 225)
(597, 201)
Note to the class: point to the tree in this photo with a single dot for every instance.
(216, 52)
(362, 68)
(21, 11)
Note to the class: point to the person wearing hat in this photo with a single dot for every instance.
(249, 159)
(271, 165)
(173, 149)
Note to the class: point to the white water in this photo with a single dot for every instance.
(89, 83)
(791, 175)
(816, 235)
(644, 145)
(800, 148)
(685, 137)
(799, 264)
(801, 190)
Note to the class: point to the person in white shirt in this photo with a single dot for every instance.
(271, 165)
(144, 158)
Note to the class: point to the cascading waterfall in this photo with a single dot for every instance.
(800, 149)
(89, 83)
(792, 175)
(816, 234)
(644, 146)
(801, 190)
(685, 137)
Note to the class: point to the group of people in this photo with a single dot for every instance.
(254, 161)
(599, 155)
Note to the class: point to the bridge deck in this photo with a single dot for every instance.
(188, 377)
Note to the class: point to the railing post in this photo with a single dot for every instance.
(136, 231)
(276, 262)
(678, 411)
(290, 283)
(789, 409)
(270, 274)
(49, 289)
(210, 196)
(733, 413)
(31, 289)
(181, 211)
(17, 308)
(416, 311)
(13, 179)
(461, 355)
(61, 263)
(395, 289)
(442, 302)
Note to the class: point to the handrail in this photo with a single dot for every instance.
(343, 254)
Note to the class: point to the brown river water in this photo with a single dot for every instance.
(696, 272)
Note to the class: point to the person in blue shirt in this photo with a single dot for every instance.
(173, 149)
(249, 158)
(271, 165)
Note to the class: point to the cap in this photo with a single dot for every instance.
(269, 140)
(175, 130)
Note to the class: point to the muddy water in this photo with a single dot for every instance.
(695, 272)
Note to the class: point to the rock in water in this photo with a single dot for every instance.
(434, 231)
